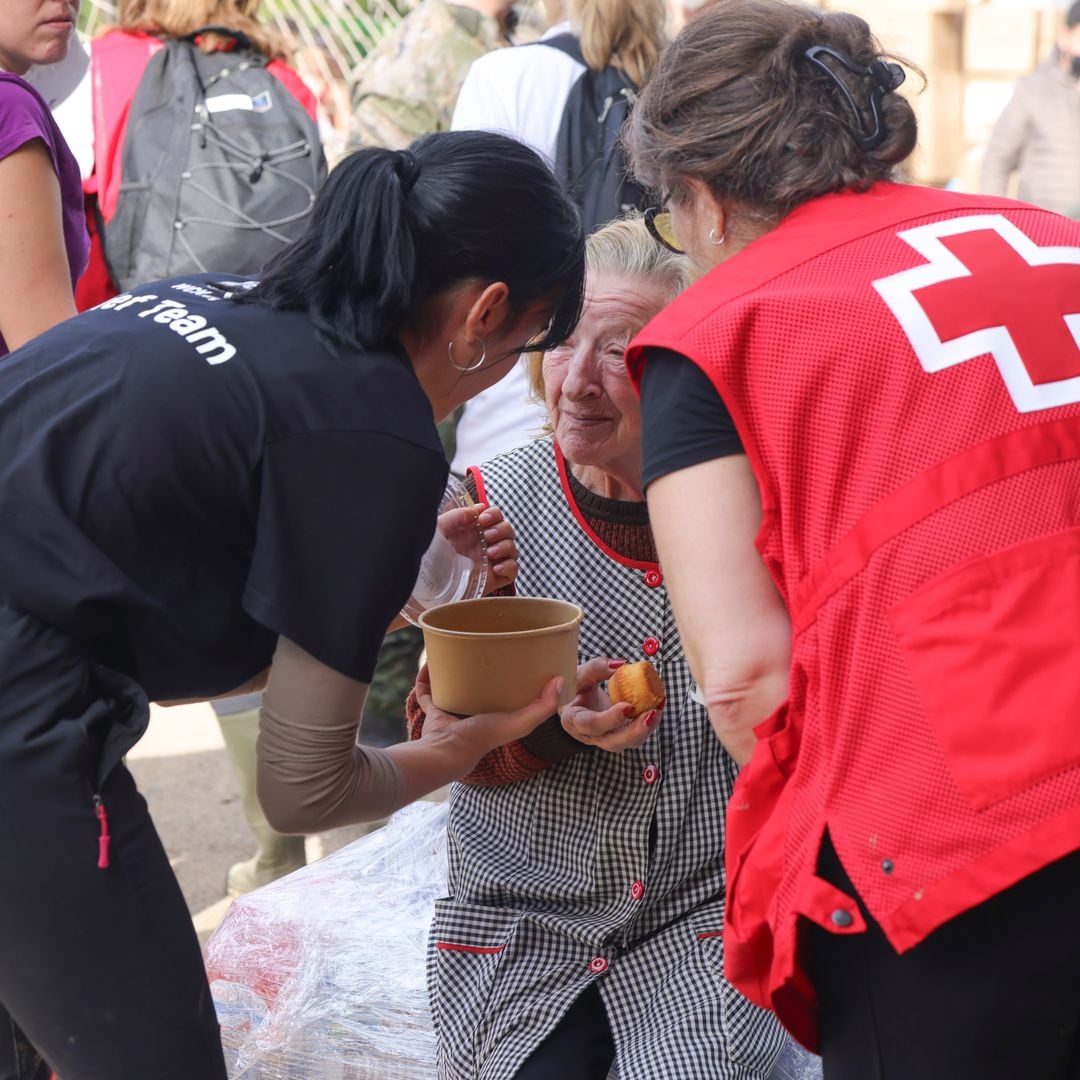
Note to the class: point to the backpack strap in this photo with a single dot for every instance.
(565, 43)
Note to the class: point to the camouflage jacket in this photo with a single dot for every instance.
(410, 82)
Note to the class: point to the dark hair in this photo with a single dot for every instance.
(735, 102)
(1072, 16)
(391, 230)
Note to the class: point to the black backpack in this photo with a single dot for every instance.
(589, 158)
(219, 169)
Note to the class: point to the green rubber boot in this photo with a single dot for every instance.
(277, 854)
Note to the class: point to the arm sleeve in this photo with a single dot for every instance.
(311, 775)
(684, 421)
(22, 119)
(1005, 147)
(480, 105)
(344, 519)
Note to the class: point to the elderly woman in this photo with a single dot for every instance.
(876, 384)
(586, 861)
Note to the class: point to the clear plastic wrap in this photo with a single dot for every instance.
(322, 975)
(796, 1064)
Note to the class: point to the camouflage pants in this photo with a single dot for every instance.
(384, 710)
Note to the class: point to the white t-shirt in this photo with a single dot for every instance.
(65, 86)
(520, 92)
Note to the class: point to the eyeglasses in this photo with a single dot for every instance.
(658, 222)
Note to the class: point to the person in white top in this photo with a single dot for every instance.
(522, 92)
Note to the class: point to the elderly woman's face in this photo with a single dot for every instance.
(35, 32)
(592, 407)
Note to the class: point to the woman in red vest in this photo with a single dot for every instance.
(862, 452)
(118, 59)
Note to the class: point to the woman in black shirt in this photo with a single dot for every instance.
(210, 484)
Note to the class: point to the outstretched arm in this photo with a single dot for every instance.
(312, 775)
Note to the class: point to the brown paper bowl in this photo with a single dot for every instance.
(496, 654)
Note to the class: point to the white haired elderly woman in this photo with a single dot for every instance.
(583, 926)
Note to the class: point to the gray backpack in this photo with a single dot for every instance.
(219, 169)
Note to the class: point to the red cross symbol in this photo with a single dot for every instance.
(987, 289)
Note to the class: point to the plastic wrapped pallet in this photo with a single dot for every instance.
(321, 975)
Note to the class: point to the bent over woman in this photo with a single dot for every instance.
(209, 484)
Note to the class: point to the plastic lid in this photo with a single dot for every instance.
(455, 565)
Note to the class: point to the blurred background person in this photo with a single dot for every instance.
(524, 92)
(409, 83)
(586, 861)
(118, 60)
(43, 241)
(1037, 137)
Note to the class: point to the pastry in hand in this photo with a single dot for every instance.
(638, 685)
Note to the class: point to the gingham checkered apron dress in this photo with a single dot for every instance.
(604, 868)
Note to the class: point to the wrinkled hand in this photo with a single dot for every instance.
(469, 738)
(502, 549)
(592, 719)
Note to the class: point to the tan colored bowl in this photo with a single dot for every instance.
(496, 654)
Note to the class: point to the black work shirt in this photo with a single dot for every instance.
(684, 421)
(183, 478)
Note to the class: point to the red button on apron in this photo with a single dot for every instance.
(650, 646)
(654, 579)
(598, 965)
(651, 774)
(637, 891)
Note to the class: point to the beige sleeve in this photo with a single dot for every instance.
(1006, 146)
(311, 774)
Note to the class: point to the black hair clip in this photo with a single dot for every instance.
(885, 78)
(408, 170)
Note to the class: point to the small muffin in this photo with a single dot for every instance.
(638, 685)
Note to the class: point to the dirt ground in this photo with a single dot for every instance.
(184, 772)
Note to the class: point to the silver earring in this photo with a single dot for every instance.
(713, 240)
(471, 367)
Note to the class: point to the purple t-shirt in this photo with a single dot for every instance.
(25, 116)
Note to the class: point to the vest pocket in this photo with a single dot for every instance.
(993, 648)
(753, 1038)
(467, 947)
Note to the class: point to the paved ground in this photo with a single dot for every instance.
(183, 770)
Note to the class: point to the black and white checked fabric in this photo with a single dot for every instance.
(587, 871)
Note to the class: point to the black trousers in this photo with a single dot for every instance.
(100, 969)
(579, 1048)
(994, 994)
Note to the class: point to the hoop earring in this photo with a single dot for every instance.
(471, 367)
(713, 240)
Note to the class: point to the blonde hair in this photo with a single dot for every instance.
(178, 18)
(628, 34)
(623, 248)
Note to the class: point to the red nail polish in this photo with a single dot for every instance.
(649, 718)
(628, 711)
(613, 664)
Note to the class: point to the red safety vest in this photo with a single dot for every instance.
(903, 368)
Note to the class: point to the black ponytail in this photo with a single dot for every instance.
(392, 229)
